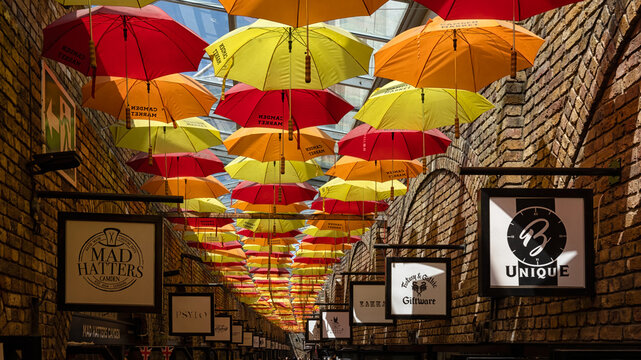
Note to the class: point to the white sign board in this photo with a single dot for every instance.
(191, 314)
(367, 300)
(335, 324)
(313, 330)
(236, 334)
(222, 329)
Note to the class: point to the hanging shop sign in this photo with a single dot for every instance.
(536, 242)
(191, 314)
(247, 339)
(236, 334)
(256, 341)
(109, 262)
(268, 344)
(261, 342)
(96, 330)
(367, 303)
(313, 330)
(222, 329)
(417, 288)
(335, 325)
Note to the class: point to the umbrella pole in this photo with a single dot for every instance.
(423, 133)
(127, 109)
(513, 62)
(151, 160)
(290, 125)
(457, 131)
(308, 58)
(92, 55)
(392, 186)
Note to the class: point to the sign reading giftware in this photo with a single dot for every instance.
(109, 262)
(222, 329)
(335, 325)
(191, 314)
(367, 300)
(536, 242)
(313, 330)
(247, 339)
(236, 334)
(417, 288)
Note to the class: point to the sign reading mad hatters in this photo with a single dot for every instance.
(109, 262)
(417, 288)
(536, 242)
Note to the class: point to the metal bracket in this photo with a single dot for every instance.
(540, 171)
(615, 164)
(419, 246)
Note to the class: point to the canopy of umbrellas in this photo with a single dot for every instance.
(135, 53)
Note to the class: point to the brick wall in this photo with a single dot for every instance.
(28, 227)
(577, 107)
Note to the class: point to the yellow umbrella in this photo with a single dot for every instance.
(324, 247)
(189, 187)
(276, 248)
(268, 208)
(267, 241)
(226, 228)
(361, 190)
(233, 253)
(210, 236)
(212, 205)
(340, 225)
(319, 254)
(316, 232)
(268, 172)
(353, 168)
(270, 225)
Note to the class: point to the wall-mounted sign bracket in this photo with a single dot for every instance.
(613, 171)
(108, 196)
(357, 273)
(419, 246)
(192, 285)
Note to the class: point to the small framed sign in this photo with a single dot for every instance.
(313, 330)
(367, 303)
(262, 342)
(256, 341)
(222, 329)
(335, 325)
(536, 242)
(109, 262)
(247, 339)
(236, 334)
(417, 288)
(191, 314)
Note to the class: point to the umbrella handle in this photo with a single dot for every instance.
(127, 116)
(392, 191)
(150, 160)
(308, 68)
(513, 67)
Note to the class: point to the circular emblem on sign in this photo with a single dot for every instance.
(110, 261)
(536, 236)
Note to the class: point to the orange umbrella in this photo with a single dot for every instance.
(188, 187)
(353, 168)
(267, 144)
(340, 225)
(325, 247)
(268, 208)
(169, 98)
(205, 229)
(267, 241)
(233, 253)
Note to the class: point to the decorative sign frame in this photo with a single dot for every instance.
(191, 314)
(236, 333)
(109, 262)
(335, 325)
(522, 228)
(422, 274)
(370, 297)
(222, 329)
(313, 335)
(247, 339)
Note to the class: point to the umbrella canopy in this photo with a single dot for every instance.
(401, 106)
(211, 205)
(250, 107)
(367, 143)
(153, 44)
(354, 190)
(200, 222)
(188, 187)
(276, 248)
(496, 9)
(191, 135)
(320, 270)
(203, 229)
(340, 225)
(268, 56)
(318, 254)
(264, 242)
(251, 234)
(167, 98)
(296, 13)
(130, 3)
(328, 240)
(265, 144)
(265, 225)
(304, 261)
(211, 246)
(214, 236)
(273, 194)
(273, 254)
(333, 206)
(266, 208)
(202, 163)
(353, 168)
(324, 247)
(424, 56)
(261, 270)
(336, 235)
(268, 172)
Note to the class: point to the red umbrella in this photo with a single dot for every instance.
(139, 43)
(495, 9)
(330, 240)
(307, 260)
(250, 107)
(270, 271)
(224, 264)
(333, 206)
(205, 245)
(368, 143)
(266, 253)
(201, 164)
(270, 281)
(238, 277)
(249, 233)
(279, 194)
(200, 221)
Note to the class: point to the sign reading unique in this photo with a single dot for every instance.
(236, 334)
(247, 338)
(222, 329)
(109, 262)
(417, 288)
(191, 314)
(335, 324)
(313, 330)
(536, 242)
(367, 300)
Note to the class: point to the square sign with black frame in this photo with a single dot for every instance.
(313, 330)
(536, 242)
(335, 325)
(191, 314)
